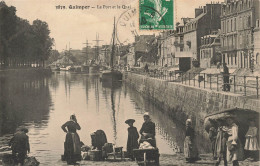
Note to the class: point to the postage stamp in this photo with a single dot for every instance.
(156, 14)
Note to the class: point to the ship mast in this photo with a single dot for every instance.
(113, 47)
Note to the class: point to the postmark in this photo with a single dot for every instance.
(156, 14)
(127, 26)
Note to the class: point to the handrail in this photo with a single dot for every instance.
(246, 85)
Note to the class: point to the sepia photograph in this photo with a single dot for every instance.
(129, 82)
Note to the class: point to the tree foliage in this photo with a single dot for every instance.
(22, 44)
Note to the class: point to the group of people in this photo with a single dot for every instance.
(147, 132)
(72, 144)
(227, 145)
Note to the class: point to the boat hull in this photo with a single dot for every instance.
(90, 69)
(111, 76)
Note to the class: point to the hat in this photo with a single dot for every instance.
(146, 114)
(188, 122)
(24, 129)
(129, 121)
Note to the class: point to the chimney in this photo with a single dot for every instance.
(198, 11)
(227, 1)
(204, 9)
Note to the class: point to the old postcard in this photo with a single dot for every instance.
(129, 82)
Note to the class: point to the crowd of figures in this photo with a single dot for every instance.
(226, 141)
(72, 145)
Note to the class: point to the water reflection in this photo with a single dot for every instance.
(23, 100)
(44, 104)
(113, 87)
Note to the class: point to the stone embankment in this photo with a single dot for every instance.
(181, 101)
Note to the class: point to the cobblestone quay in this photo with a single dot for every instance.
(180, 101)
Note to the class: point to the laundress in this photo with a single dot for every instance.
(190, 148)
(72, 146)
(237, 153)
(251, 139)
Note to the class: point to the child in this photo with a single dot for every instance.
(251, 144)
(132, 141)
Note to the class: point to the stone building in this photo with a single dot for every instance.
(207, 20)
(166, 49)
(210, 51)
(131, 56)
(257, 44)
(142, 46)
(184, 61)
(238, 20)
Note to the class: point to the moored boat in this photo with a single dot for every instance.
(112, 75)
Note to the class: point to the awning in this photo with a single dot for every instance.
(183, 55)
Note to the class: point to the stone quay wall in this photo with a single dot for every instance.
(181, 101)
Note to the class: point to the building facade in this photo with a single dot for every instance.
(184, 60)
(167, 49)
(257, 44)
(210, 53)
(190, 31)
(238, 20)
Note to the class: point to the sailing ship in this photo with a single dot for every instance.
(112, 75)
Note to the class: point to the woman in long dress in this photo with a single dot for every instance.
(234, 146)
(190, 148)
(220, 145)
(72, 148)
(132, 140)
(251, 145)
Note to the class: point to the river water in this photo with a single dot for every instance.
(43, 104)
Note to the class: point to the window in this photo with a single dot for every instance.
(241, 23)
(227, 26)
(249, 21)
(231, 25)
(235, 26)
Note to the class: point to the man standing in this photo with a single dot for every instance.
(20, 145)
(226, 78)
(148, 130)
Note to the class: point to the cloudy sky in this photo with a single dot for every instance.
(75, 26)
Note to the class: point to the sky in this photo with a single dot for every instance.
(72, 27)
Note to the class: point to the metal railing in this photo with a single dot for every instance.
(245, 85)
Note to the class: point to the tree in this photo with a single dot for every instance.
(54, 56)
(43, 42)
(7, 29)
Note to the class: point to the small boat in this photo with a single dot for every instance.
(67, 68)
(112, 75)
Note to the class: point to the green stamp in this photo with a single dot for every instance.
(155, 14)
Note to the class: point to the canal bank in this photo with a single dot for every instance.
(25, 72)
(181, 101)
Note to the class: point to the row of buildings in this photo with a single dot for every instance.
(226, 32)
